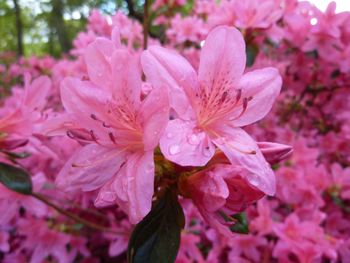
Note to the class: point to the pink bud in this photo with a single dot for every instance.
(275, 152)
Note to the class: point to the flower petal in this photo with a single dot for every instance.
(126, 73)
(82, 97)
(154, 114)
(96, 57)
(184, 144)
(208, 190)
(132, 187)
(165, 67)
(262, 87)
(90, 168)
(36, 92)
(242, 150)
(222, 59)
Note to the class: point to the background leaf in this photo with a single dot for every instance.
(156, 239)
(241, 226)
(15, 179)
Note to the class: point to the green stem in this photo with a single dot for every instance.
(75, 217)
(145, 23)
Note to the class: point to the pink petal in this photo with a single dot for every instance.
(263, 87)
(116, 37)
(126, 78)
(242, 194)
(184, 144)
(90, 168)
(132, 187)
(97, 59)
(36, 92)
(275, 152)
(222, 59)
(117, 247)
(242, 150)
(154, 116)
(81, 97)
(208, 190)
(167, 68)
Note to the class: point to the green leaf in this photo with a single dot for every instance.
(240, 222)
(156, 239)
(15, 155)
(241, 226)
(252, 51)
(15, 179)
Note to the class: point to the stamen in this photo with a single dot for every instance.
(105, 125)
(238, 96)
(111, 136)
(93, 136)
(93, 116)
(79, 134)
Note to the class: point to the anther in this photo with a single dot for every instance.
(111, 136)
(70, 135)
(93, 136)
(239, 94)
(93, 116)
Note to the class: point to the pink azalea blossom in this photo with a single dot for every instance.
(222, 189)
(220, 101)
(120, 131)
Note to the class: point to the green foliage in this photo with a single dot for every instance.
(15, 179)
(239, 222)
(156, 239)
(252, 50)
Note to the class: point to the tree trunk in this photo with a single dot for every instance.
(58, 24)
(19, 28)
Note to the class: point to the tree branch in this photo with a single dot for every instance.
(132, 12)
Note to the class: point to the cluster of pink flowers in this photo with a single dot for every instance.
(214, 109)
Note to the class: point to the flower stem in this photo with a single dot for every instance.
(145, 23)
(73, 216)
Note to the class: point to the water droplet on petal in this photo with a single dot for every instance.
(169, 135)
(174, 149)
(207, 152)
(254, 180)
(221, 140)
(193, 139)
(150, 168)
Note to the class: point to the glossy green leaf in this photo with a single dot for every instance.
(156, 239)
(15, 179)
(240, 222)
(252, 51)
(241, 226)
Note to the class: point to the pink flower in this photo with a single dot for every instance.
(221, 189)
(186, 29)
(189, 250)
(212, 107)
(119, 129)
(4, 242)
(256, 14)
(17, 122)
(43, 241)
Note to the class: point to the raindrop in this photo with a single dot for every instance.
(221, 140)
(254, 180)
(174, 149)
(150, 168)
(207, 152)
(169, 135)
(193, 139)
